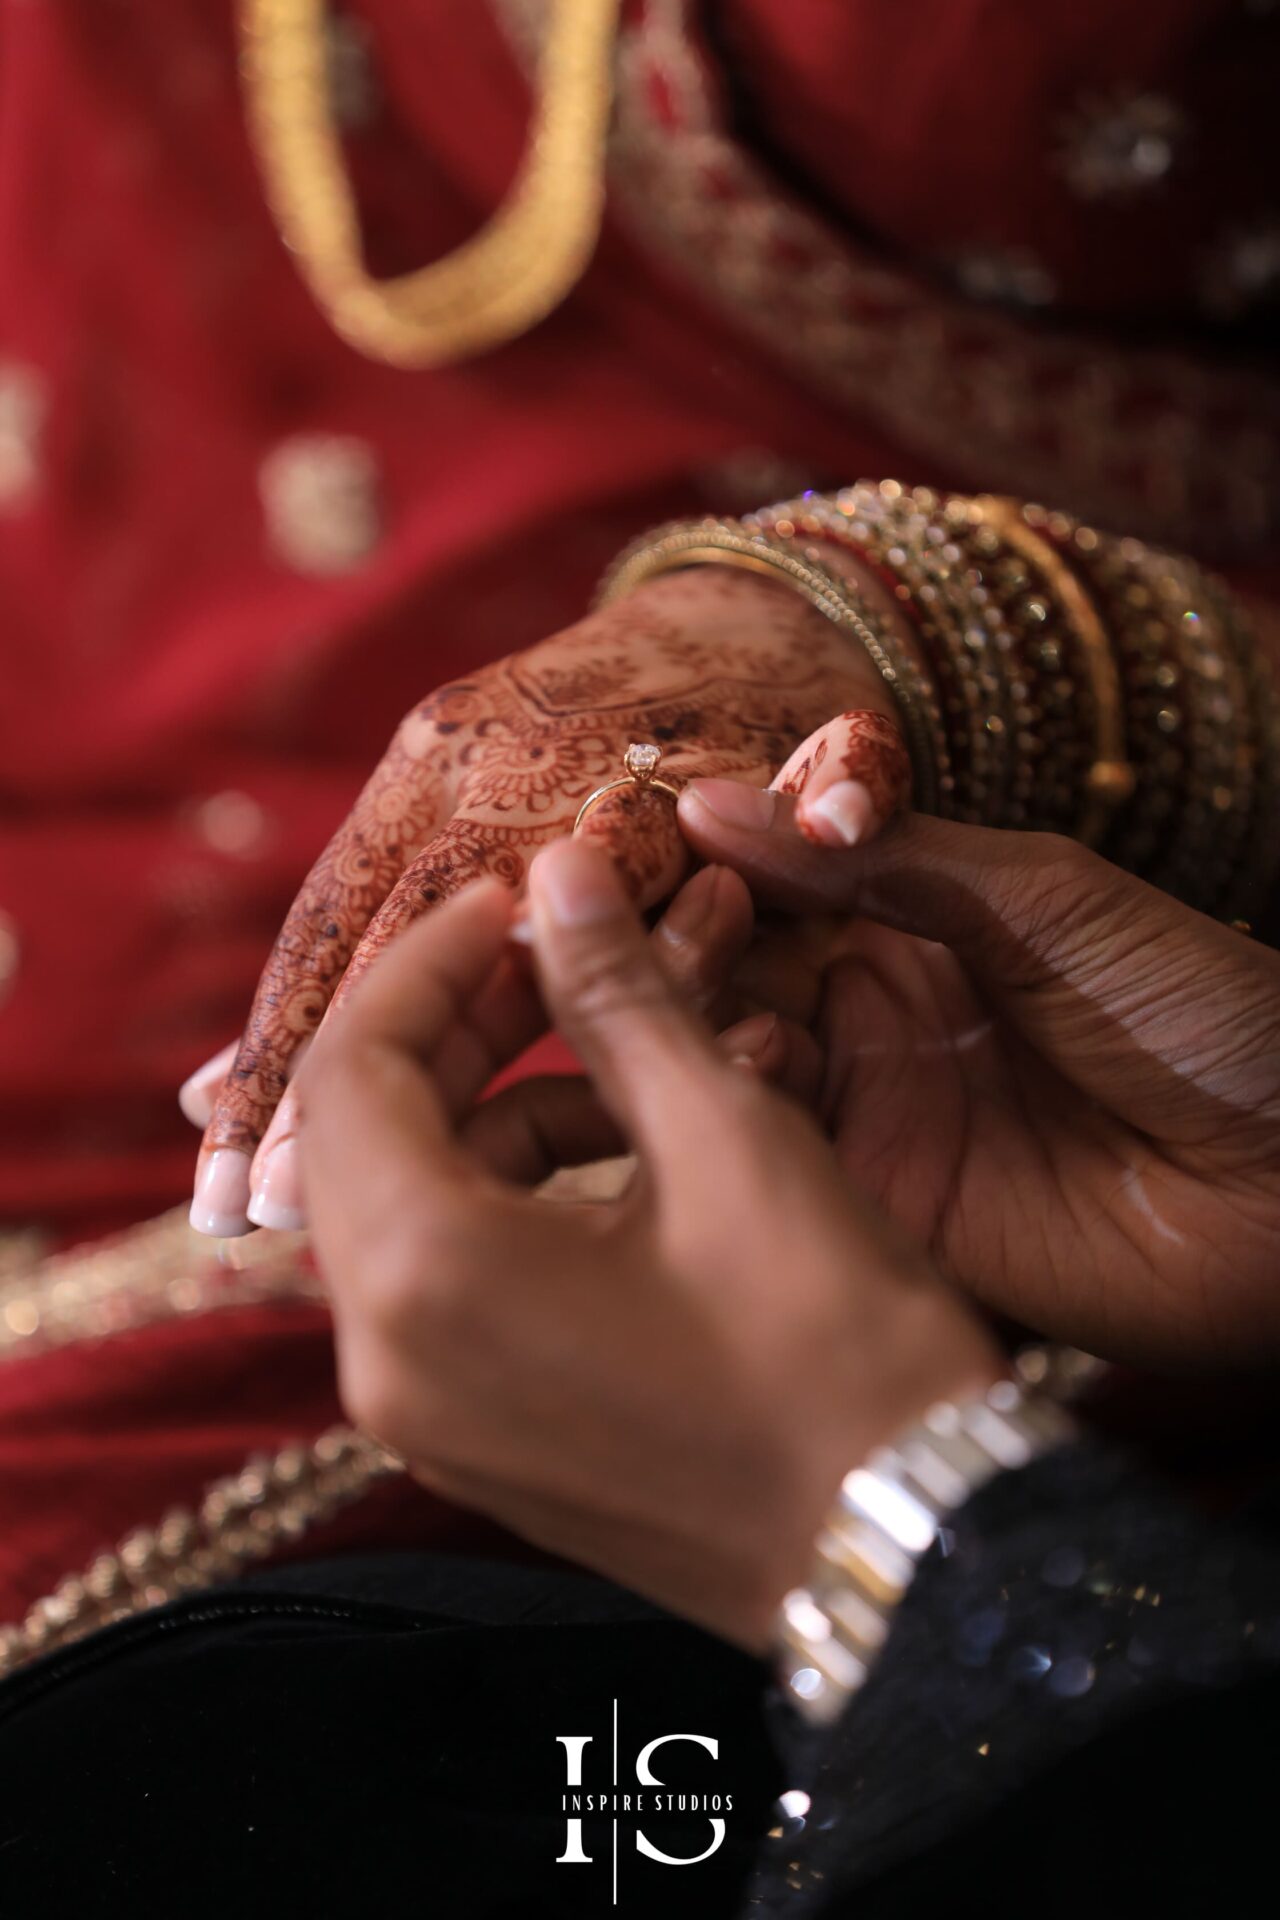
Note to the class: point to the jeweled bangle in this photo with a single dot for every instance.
(900, 534)
(1202, 716)
(885, 1519)
(728, 544)
(1016, 681)
(1110, 779)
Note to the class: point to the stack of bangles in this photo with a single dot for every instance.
(1047, 676)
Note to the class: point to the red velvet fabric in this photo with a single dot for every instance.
(160, 655)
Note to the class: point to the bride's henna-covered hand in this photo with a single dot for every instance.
(1064, 1082)
(727, 673)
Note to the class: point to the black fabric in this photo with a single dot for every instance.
(1168, 1814)
(1080, 1698)
(1077, 1711)
(372, 1739)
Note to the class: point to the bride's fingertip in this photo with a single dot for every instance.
(843, 815)
(220, 1203)
(195, 1098)
(199, 1090)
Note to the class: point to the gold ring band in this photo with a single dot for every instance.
(641, 761)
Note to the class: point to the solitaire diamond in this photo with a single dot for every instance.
(641, 761)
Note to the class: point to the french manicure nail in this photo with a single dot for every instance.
(197, 1093)
(277, 1194)
(521, 929)
(574, 885)
(735, 804)
(220, 1206)
(840, 817)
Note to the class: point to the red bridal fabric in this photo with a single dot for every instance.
(948, 126)
(185, 714)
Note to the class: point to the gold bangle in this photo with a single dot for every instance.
(721, 543)
(1110, 780)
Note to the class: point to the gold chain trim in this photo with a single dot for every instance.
(160, 1271)
(510, 275)
(245, 1517)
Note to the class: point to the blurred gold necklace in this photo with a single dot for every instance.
(521, 264)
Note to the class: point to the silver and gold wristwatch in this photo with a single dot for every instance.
(886, 1517)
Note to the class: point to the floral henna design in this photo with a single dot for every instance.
(873, 752)
(638, 830)
(339, 897)
(796, 781)
(876, 755)
(466, 851)
(862, 746)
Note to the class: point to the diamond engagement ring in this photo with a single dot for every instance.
(641, 761)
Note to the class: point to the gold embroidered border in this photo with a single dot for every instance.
(1146, 442)
(158, 1271)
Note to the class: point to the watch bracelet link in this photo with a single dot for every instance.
(887, 1515)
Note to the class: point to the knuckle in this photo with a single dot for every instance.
(1057, 857)
(1026, 901)
(393, 1301)
(1063, 880)
(413, 1278)
(614, 976)
(435, 1274)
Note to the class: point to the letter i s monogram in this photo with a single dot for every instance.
(574, 1744)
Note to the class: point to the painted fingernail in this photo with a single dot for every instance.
(222, 1195)
(277, 1195)
(521, 929)
(736, 804)
(840, 817)
(196, 1095)
(574, 885)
